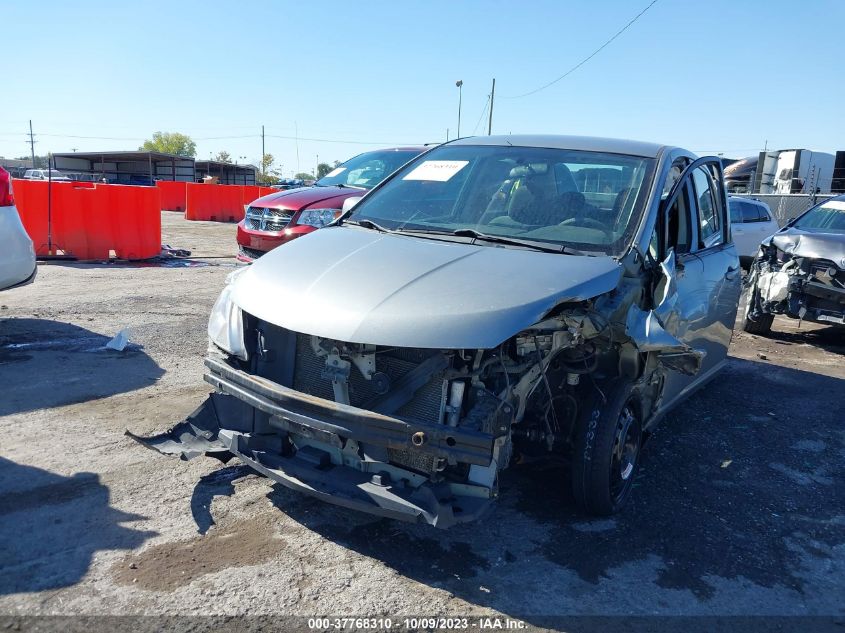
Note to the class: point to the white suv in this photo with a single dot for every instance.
(751, 223)
(45, 174)
(17, 257)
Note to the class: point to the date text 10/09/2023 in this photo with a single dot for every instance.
(433, 623)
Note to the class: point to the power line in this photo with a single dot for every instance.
(329, 140)
(480, 118)
(588, 58)
(210, 138)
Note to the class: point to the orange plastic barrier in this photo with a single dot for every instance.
(218, 203)
(90, 221)
(173, 195)
(250, 193)
(254, 192)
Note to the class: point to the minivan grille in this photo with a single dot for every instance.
(267, 219)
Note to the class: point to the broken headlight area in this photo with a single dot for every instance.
(413, 434)
(796, 286)
(225, 324)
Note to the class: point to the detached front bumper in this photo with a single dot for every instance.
(254, 419)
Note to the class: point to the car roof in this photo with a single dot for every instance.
(744, 199)
(583, 143)
(407, 148)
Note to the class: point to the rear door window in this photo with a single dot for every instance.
(735, 208)
(750, 212)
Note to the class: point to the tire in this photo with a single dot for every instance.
(608, 443)
(760, 324)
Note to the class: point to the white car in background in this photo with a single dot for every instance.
(45, 174)
(17, 255)
(751, 223)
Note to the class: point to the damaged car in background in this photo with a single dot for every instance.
(800, 271)
(495, 301)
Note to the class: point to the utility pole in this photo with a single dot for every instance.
(490, 121)
(296, 132)
(32, 143)
(263, 171)
(459, 84)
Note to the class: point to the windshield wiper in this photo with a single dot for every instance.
(368, 224)
(513, 241)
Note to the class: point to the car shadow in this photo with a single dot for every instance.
(218, 483)
(51, 526)
(744, 481)
(829, 338)
(46, 363)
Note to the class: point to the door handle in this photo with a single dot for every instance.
(733, 271)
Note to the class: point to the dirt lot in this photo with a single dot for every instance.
(739, 508)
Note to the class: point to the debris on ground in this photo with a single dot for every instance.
(120, 340)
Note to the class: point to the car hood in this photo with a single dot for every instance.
(812, 244)
(302, 197)
(361, 286)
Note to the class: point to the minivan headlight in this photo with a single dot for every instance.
(226, 323)
(318, 218)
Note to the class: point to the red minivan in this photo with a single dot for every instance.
(280, 217)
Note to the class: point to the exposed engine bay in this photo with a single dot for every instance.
(422, 434)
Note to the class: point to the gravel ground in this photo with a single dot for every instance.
(739, 508)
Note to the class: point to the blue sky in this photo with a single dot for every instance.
(710, 75)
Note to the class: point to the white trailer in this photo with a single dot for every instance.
(794, 171)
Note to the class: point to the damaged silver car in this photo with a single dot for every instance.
(800, 271)
(497, 299)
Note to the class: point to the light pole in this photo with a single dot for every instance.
(459, 84)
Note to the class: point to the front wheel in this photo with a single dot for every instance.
(760, 323)
(607, 450)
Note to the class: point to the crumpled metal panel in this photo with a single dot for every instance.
(829, 246)
(647, 328)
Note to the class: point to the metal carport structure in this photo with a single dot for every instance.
(139, 167)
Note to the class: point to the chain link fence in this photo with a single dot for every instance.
(784, 207)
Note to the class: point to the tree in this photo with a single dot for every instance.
(323, 169)
(304, 176)
(268, 175)
(171, 143)
(40, 161)
(223, 157)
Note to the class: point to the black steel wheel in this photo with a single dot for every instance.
(607, 450)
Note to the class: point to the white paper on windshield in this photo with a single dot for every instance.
(436, 170)
(336, 171)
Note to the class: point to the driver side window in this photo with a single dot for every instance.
(676, 226)
(678, 229)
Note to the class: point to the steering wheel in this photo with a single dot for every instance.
(588, 223)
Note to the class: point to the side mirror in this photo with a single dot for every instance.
(349, 204)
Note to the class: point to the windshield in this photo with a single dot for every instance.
(587, 200)
(368, 169)
(828, 217)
